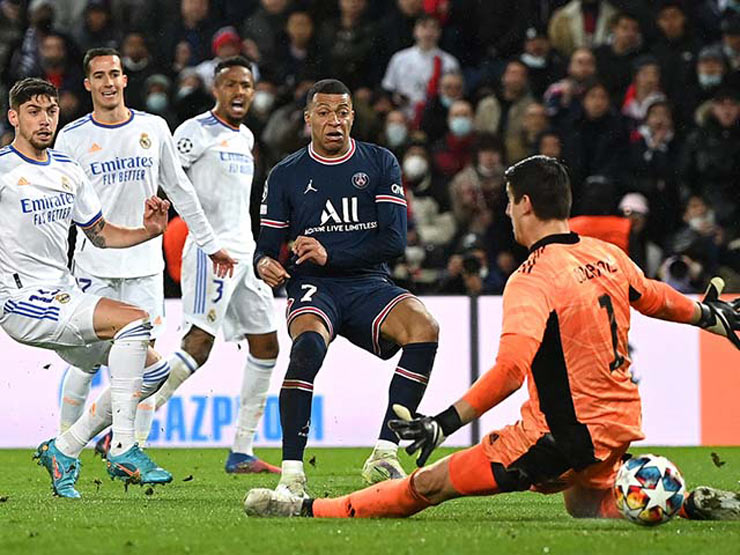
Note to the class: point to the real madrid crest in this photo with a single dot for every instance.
(65, 183)
(211, 317)
(145, 141)
(360, 180)
(62, 298)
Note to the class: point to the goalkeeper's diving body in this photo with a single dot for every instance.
(565, 327)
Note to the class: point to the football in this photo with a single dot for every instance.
(649, 490)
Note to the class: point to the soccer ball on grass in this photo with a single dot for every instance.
(649, 490)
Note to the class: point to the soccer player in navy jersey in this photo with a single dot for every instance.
(342, 205)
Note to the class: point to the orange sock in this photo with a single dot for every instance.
(392, 498)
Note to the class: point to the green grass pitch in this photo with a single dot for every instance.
(204, 515)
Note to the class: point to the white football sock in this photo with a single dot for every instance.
(75, 389)
(182, 366)
(126, 361)
(154, 376)
(385, 445)
(96, 419)
(291, 468)
(255, 384)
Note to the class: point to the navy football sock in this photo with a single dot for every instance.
(306, 357)
(409, 382)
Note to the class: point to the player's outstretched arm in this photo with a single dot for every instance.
(104, 234)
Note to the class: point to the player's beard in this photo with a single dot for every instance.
(40, 144)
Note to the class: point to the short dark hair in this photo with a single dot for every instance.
(25, 89)
(93, 53)
(326, 86)
(232, 61)
(545, 181)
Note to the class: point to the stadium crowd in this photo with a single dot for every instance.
(641, 99)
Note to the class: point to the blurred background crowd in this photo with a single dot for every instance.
(640, 98)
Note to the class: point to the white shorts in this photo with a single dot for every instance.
(241, 304)
(57, 318)
(146, 292)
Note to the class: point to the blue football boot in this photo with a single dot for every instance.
(241, 463)
(63, 470)
(135, 466)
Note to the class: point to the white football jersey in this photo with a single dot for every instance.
(38, 202)
(126, 163)
(218, 159)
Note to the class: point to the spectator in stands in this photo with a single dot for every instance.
(225, 43)
(295, 57)
(26, 60)
(644, 90)
(549, 143)
(454, 150)
(410, 70)
(60, 69)
(97, 29)
(395, 135)
(189, 34)
(396, 29)
(11, 33)
(595, 141)
(495, 31)
(676, 47)
(157, 98)
(477, 193)
(468, 273)
(709, 75)
(614, 61)
(191, 97)
(502, 113)
(138, 65)
(347, 46)
(286, 131)
(710, 164)
(654, 154)
(646, 254)
(434, 115)
(581, 23)
(564, 96)
(731, 41)
(544, 64)
(264, 28)
(534, 123)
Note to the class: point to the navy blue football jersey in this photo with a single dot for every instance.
(353, 205)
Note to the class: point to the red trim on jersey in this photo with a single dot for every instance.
(311, 310)
(390, 198)
(223, 121)
(380, 318)
(332, 161)
(277, 224)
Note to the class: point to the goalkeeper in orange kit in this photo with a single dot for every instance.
(565, 328)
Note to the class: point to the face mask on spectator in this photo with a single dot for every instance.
(702, 223)
(533, 61)
(132, 65)
(446, 101)
(461, 126)
(396, 133)
(156, 102)
(182, 92)
(707, 80)
(415, 167)
(489, 172)
(263, 101)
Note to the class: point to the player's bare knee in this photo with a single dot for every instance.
(198, 344)
(264, 346)
(423, 328)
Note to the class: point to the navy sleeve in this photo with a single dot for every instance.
(274, 218)
(389, 241)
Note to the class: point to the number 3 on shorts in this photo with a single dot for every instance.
(310, 292)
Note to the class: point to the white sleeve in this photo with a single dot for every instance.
(189, 142)
(87, 208)
(390, 83)
(60, 143)
(181, 192)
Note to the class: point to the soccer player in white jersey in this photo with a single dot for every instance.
(127, 155)
(216, 151)
(41, 193)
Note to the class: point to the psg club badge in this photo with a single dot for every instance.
(145, 141)
(360, 180)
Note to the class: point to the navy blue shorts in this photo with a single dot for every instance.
(353, 307)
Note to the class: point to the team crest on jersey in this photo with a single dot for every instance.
(184, 145)
(211, 317)
(62, 298)
(65, 183)
(145, 141)
(360, 180)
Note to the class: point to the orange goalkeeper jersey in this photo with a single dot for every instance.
(565, 326)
